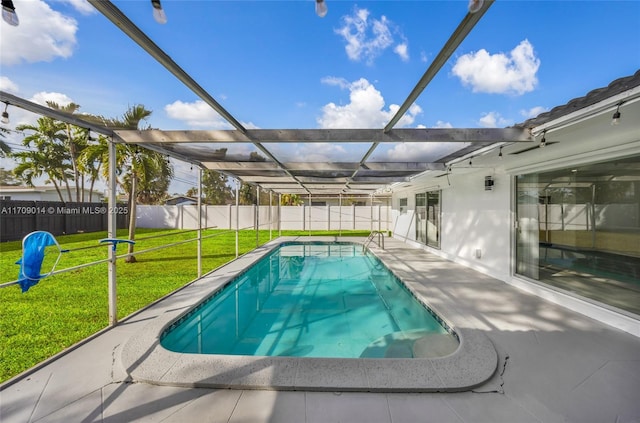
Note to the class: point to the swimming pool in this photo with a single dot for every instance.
(473, 363)
(311, 299)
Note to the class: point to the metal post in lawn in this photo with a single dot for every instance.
(112, 226)
(340, 215)
(270, 215)
(237, 214)
(257, 216)
(279, 214)
(371, 211)
(199, 222)
(309, 214)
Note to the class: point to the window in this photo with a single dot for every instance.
(578, 230)
(403, 205)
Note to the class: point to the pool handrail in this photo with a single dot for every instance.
(370, 238)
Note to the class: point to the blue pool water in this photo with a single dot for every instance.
(308, 299)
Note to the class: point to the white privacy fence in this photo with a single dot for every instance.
(372, 217)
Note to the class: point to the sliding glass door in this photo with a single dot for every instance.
(578, 229)
(428, 218)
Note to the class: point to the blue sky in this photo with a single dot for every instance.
(275, 64)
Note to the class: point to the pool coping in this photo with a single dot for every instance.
(145, 360)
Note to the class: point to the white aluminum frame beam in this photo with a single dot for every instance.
(264, 136)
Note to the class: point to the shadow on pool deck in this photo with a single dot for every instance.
(555, 366)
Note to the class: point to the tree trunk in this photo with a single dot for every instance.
(66, 182)
(132, 218)
(93, 181)
(57, 190)
(74, 161)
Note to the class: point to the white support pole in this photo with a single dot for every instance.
(353, 217)
(200, 222)
(279, 214)
(270, 215)
(112, 227)
(237, 215)
(309, 214)
(328, 216)
(371, 211)
(257, 220)
(340, 215)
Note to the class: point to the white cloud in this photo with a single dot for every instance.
(442, 124)
(200, 115)
(335, 81)
(493, 120)
(402, 50)
(315, 152)
(83, 6)
(197, 114)
(422, 152)
(499, 73)
(43, 97)
(8, 85)
(19, 116)
(533, 112)
(365, 109)
(43, 35)
(367, 38)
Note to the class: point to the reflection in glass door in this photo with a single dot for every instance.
(578, 230)
(421, 216)
(528, 225)
(433, 219)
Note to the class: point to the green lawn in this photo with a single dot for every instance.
(63, 309)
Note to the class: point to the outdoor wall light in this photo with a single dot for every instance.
(615, 119)
(475, 5)
(5, 114)
(543, 141)
(488, 183)
(470, 163)
(9, 14)
(158, 12)
(500, 152)
(321, 8)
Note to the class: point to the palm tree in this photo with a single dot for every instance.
(35, 163)
(74, 141)
(5, 150)
(91, 158)
(49, 157)
(291, 200)
(138, 169)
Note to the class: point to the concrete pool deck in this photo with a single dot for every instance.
(554, 365)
